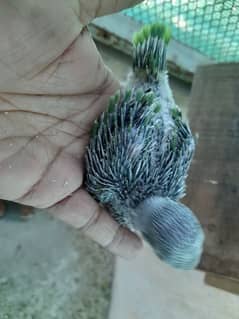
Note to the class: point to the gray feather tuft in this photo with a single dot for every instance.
(172, 230)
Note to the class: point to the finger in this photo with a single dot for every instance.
(95, 8)
(82, 212)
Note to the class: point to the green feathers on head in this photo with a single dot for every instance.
(156, 30)
(149, 58)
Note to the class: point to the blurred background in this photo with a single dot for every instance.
(210, 27)
(49, 270)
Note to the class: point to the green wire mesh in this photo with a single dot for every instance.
(209, 26)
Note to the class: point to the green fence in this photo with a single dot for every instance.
(209, 26)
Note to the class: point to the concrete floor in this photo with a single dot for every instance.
(147, 288)
(50, 271)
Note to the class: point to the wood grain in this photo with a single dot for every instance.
(213, 182)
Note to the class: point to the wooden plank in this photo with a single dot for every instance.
(213, 182)
(223, 283)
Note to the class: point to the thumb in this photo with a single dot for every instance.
(82, 212)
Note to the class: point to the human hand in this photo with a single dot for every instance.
(53, 84)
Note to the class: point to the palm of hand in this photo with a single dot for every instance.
(45, 120)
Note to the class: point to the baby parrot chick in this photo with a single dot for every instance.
(139, 155)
